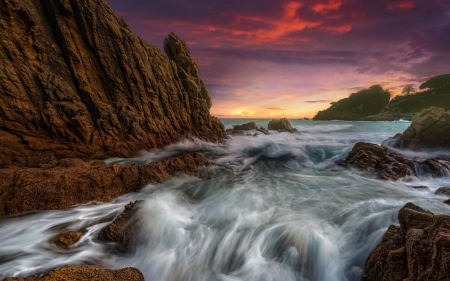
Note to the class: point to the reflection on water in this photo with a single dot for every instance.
(288, 213)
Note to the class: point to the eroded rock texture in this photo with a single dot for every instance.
(428, 130)
(281, 125)
(73, 181)
(86, 273)
(393, 166)
(418, 249)
(76, 82)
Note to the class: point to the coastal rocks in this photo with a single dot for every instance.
(263, 130)
(428, 130)
(418, 249)
(281, 125)
(78, 83)
(73, 181)
(234, 132)
(123, 228)
(443, 191)
(358, 105)
(86, 273)
(68, 238)
(375, 158)
(246, 126)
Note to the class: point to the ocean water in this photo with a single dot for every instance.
(286, 212)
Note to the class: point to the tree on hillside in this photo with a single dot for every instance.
(408, 89)
(437, 82)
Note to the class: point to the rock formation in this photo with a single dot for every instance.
(417, 250)
(67, 239)
(76, 82)
(86, 273)
(428, 130)
(123, 229)
(358, 105)
(281, 125)
(393, 166)
(246, 126)
(73, 181)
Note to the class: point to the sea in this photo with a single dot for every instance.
(278, 209)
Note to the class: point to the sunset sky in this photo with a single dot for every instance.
(274, 58)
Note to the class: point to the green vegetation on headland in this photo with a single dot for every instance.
(357, 105)
(371, 105)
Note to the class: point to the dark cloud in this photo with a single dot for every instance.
(275, 108)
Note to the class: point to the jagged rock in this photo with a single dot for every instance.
(86, 273)
(428, 130)
(418, 249)
(281, 125)
(73, 181)
(390, 165)
(76, 82)
(375, 158)
(263, 130)
(123, 229)
(234, 132)
(358, 105)
(246, 126)
(443, 191)
(68, 238)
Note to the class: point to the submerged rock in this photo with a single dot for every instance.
(443, 191)
(418, 249)
(86, 273)
(234, 132)
(428, 130)
(393, 166)
(123, 229)
(281, 125)
(78, 83)
(246, 126)
(73, 181)
(263, 130)
(68, 238)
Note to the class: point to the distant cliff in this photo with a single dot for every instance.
(357, 105)
(75, 81)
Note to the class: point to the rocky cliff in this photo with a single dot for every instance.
(75, 81)
(428, 130)
(358, 105)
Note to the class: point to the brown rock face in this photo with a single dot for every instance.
(391, 165)
(76, 82)
(87, 273)
(419, 249)
(246, 126)
(123, 228)
(281, 125)
(430, 129)
(68, 238)
(73, 181)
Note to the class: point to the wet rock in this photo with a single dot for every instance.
(377, 159)
(73, 181)
(86, 273)
(428, 130)
(393, 166)
(418, 249)
(246, 126)
(234, 132)
(447, 202)
(443, 191)
(422, 187)
(68, 238)
(69, 92)
(123, 229)
(263, 130)
(281, 125)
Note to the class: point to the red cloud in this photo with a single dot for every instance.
(324, 8)
(405, 5)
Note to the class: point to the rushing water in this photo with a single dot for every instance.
(287, 214)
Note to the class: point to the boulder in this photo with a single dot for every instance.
(246, 126)
(263, 130)
(418, 249)
(443, 191)
(281, 125)
(73, 181)
(428, 130)
(234, 132)
(123, 229)
(393, 166)
(67, 239)
(86, 273)
(77, 82)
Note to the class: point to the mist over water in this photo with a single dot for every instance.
(287, 214)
